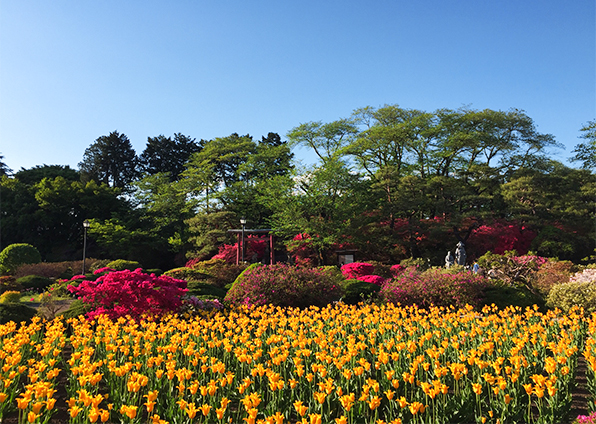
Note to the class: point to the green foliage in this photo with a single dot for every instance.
(16, 312)
(155, 271)
(420, 264)
(122, 264)
(99, 263)
(575, 293)
(37, 173)
(35, 282)
(503, 295)
(208, 231)
(10, 297)
(187, 274)
(381, 269)
(76, 309)
(205, 290)
(17, 254)
(8, 282)
(355, 291)
(219, 271)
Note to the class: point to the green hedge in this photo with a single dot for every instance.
(356, 291)
(35, 282)
(16, 312)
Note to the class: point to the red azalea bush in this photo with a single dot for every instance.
(435, 287)
(285, 285)
(357, 269)
(254, 249)
(133, 293)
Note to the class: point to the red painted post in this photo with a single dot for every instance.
(271, 252)
(238, 250)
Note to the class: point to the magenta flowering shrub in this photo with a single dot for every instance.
(103, 270)
(284, 285)
(435, 287)
(357, 269)
(133, 293)
(373, 279)
(397, 270)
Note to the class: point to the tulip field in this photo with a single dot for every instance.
(338, 364)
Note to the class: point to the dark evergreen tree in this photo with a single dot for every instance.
(111, 160)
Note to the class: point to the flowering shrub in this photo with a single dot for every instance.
(357, 269)
(131, 293)
(373, 279)
(103, 270)
(567, 295)
(588, 275)
(586, 419)
(254, 249)
(397, 269)
(284, 285)
(302, 250)
(434, 287)
(551, 273)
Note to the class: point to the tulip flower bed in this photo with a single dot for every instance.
(338, 364)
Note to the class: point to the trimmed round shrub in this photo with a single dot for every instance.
(121, 265)
(16, 312)
(187, 274)
(357, 269)
(284, 285)
(356, 291)
(35, 282)
(17, 254)
(221, 272)
(503, 295)
(205, 290)
(240, 277)
(574, 293)
(435, 287)
(10, 297)
(99, 263)
(155, 271)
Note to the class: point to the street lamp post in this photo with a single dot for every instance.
(86, 224)
(243, 222)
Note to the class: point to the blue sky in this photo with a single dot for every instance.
(71, 71)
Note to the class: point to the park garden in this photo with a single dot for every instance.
(350, 313)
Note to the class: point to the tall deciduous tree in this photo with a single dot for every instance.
(111, 160)
(586, 152)
(167, 155)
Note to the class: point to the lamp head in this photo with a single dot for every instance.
(86, 224)
(243, 221)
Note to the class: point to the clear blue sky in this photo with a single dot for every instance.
(71, 71)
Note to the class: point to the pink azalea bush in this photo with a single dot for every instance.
(284, 285)
(435, 287)
(133, 293)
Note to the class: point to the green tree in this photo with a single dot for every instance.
(167, 155)
(110, 160)
(37, 173)
(4, 169)
(586, 152)
(208, 231)
(326, 140)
